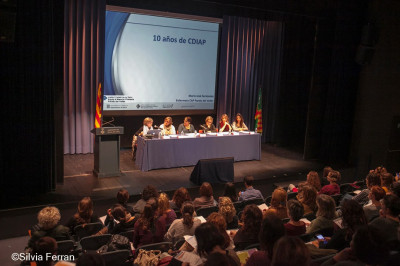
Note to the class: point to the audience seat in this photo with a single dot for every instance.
(238, 206)
(256, 245)
(268, 200)
(253, 201)
(89, 229)
(337, 198)
(163, 246)
(347, 188)
(291, 195)
(128, 234)
(117, 258)
(65, 247)
(206, 211)
(94, 242)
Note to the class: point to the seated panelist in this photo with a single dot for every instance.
(147, 125)
(224, 124)
(186, 126)
(239, 125)
(167, 128)
(209, 126)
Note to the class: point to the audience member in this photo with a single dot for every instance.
(389, 217)
(126, 221)
(219, 222)
(83, 216)
(49, 218)
(230, 191)
(278, 204)
(308, 196)
(44, 247)
(325, 172)
(325, 214)
(206, 198)
(228, 211)
(122, 199)
(90, 259)
(387, 180)
(271, 231)
(250, 192)
(312, 180)
(248, 233)
(290, 251)
(295, 211)
(375, 195)
(181, 195)
(333, 188)
(149, 228)
(165, 210)
(371, 180)
(184, 226)
(148, 192)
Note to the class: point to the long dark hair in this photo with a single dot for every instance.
(208, 237)
(272, 229)
(353, 217)
(85, 211)
(230, 191)
(252, 217)
(241, 120)
(147, 219)
(187, 213)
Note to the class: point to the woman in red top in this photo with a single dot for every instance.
(224, 124)
(333, 188)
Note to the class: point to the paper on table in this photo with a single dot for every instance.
(339, 222)
(245, 254)
(263, 207)
(201, 218)
(191, 240)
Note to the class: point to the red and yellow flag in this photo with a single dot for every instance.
(97, 121)
(258, 116)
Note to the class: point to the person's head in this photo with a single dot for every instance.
(313, 180)
(279, 197)
(187, 121)
(368, 245)
(180, 196)
(290, 251)
(123, 196)
(149, 192)
(308, 196)
(48, 217)
(252, 217)
(90, 259)
(353, 216)
(167, 121)
(209, 120)
(395, 189)
(387, 180)
(248, 180)
(372, 179)
(334, 176)
(295, 210)
(163, 203)
(148, 121)
(226, 209)
(230, 191)
(380, 170)
(218, 221)
(326, 206)
(44, 246)
(208, 237)
(376, 193)
(224, 118)
(239, 119)
(390, 206)
(326, 171)
(272, 229)
(146, 220)
(187, 211)
(119, 213)
(85, 209)
(206, 190)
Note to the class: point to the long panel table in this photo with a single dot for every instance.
(177, 152)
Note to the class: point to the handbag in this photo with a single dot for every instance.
(147, 258)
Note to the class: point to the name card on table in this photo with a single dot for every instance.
(166, 137)
(203, 135)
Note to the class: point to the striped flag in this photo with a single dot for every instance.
(258, 116)
(97, 122)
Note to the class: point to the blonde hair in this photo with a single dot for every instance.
(209, 118)
(226, 209)
(163, 203)
(147, 120)
(225, 116)
(48, 217)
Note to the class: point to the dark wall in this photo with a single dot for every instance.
(379, 93)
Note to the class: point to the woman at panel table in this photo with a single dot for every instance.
(186, 126)
(224, 124)
(147, 125)
(167, 128)
(239, 125)
(209, 126)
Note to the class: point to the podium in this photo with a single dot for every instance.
(106, 151)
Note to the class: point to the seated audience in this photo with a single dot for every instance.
(371, 211)
(44, 248)
(122, 199)
(388, 222)
(278, 204)
(387, 180)
(209, 126)
(272, 230)
(184, 226)
(219, 222)
(307, 196)
(248, 233)
(352, 218)
(325, 172)
(126, 221)
(230, 191)
(325, 214)
(148, 192)
(238, 124)
(291, 251)
(206, 198)
(371, 180)
(149, 228)
(295, 211)
(167, 128)
(180, 196)
(83, 216)
(333, 188)
(228, 211)
(186, 126)
(165, 210)
(312, 180)
(250, 192)
(49, 218)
